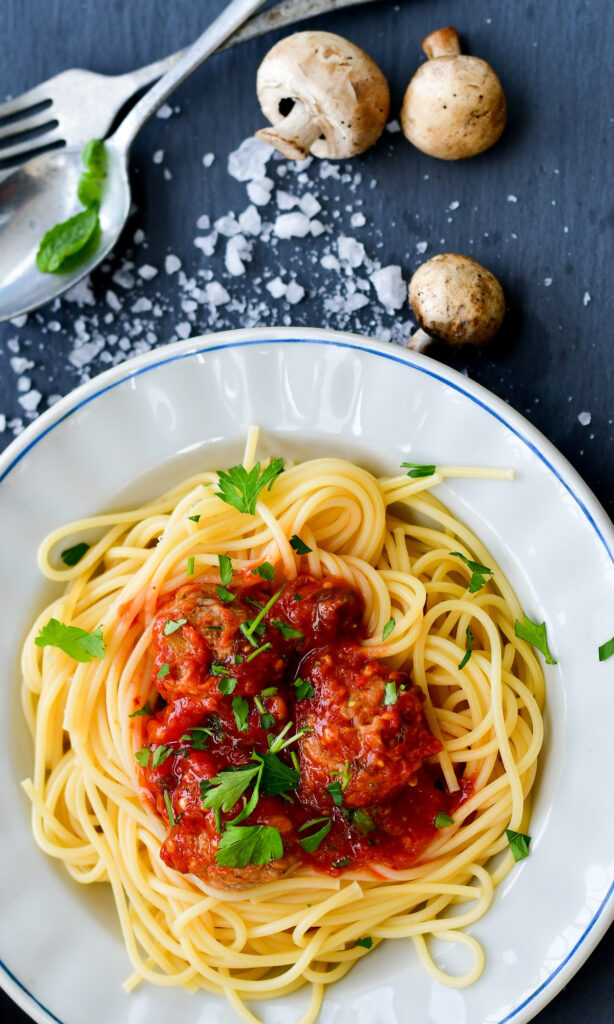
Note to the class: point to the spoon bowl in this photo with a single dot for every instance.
(40, 194)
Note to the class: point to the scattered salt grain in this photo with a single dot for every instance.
(249, 161)
(158, 156)
(294, 292)
(204, 222)
(586, 298)
(207, 243)
(351, 251)
(172, 263)
(208, 159)
(393, 127)
(389, 286)
(512, 199)
(19, 321)
(147, 272)
(454, 205)
(164, 112)
(238, 250)
(167, 174)
(547, 282)
(309, 205)
(421, 247)
(276, 288)
(358, 220)
(291, 225)
(259, 190)
(30, 401)
(584, 418)
(250, 221)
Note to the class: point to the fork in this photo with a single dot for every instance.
(78, 105)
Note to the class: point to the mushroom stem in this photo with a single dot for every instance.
(444, 42)
(419, 341)
(295, 135)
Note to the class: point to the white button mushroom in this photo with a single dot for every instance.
(454, 106)
(456, 300)
(322, 95)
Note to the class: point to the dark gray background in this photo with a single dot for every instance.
(552, 360)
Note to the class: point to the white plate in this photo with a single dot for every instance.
(146, 423)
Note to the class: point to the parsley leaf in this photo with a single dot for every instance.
(217, 669)
(390, 693)
(606, 650)
(70, 556)
(142, 756)
(225, 569)
(267, 721)
(160, 754)
(519, 844)
(387, 630)
(299, 545)
(227, 685)
(254, 626)
(443, 820)
(265, 571)
(241, 845)
(277, 777)
(145, 710)
(286, 631)
(468, 649)
(362, 821)
(163, 671)
(227, 787)
(259, 650)
(344, 775)
(311, 843)
(415, 470)
(535, 634)
(341, 863)
(172, 625)
(77, 643)
(240, 709)
(198, 737)
(190, 568)
(335, 792)
(478, 572)
(225, 595)
(169, 808)
(304, 689)
(195, 519)
(367, 942)
(241, 489)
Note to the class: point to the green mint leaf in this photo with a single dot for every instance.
(227, 787)
(225, 569)
(66, 239)
(225, 595)
(335, 792)
(77, 643)
(172, 625)
(535, 634)
(227, 685)
(387, 630)
(241, 845)
(468, 649)
(70, 556)
(286, 631)
(443, 820)
(311, 843)
(367, 942)
(606, 650)
(390, 694)
(241, 489)
(145, 710)
(265, 571)
(415, 470)
(91, 182)
(304, 689)
(240, 709)
(299, 545)
(519, 844)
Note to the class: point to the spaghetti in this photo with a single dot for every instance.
(448, 616)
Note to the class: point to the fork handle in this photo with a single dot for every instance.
(288, 12)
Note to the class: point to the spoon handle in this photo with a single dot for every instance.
(233, 15)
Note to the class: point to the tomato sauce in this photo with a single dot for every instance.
(234, 667)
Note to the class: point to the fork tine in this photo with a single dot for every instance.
(26, 149)
(23, 104)
(12, 131)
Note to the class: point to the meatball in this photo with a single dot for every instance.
(323, 610)
(190, 659)
(368, 728)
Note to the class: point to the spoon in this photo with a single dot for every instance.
(44, 191)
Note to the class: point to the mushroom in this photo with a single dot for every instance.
(322, 95)
(455, 300)
(454, 106)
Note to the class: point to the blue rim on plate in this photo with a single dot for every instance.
(495, 407)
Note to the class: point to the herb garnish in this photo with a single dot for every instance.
(365, 943)
(299, 545)
(169, 808)
(225, 595)
(241, 489)
(225, 569)
(341, 863)
(286, 631)
(145, 710)
(304, 689)
(468, 649)
(227, 685)
(387, 630)
(535, 634)
(70, 556)
(478, 572)
(217, 669)
(606, 650)
(195, 519)
(362, 821)
(265, 571)
(344, 775)
(252, 626)
(415, 470)
(519, 844)
(443, 820)
(72, 235)
(335, 792)
(390, 693)
(160, 755)
(241, 845)
(198, 737)
(240, 709)
(311, 843)
(172, 625)
(77, 643)
(259, 650)
(190, 568)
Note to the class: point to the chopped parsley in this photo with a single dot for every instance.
(362, 821)
(253, 626)
(169, 808)
(198, 737)
(277, 777)
(606, 650)
(265, 571)
(225, 569)
(190, 568)
(443, 820)
(270, 691)
(77, 643)
(259, 650)
(225, 595)
(478, 572)
(344, 775)
(286, 631)
(227, 787)
(535, 634)
(227, 685)
(142, 756)
(297, 597)
(468, 649)
(519, 844)
(217, 669)
(145, 710)
(70, 556)
(267, 721)
(335, 792)
(390, 693)
(172, 625)
(415, 470)
(241, 845)
(299, 545)
(367, 942)
(311, 843)
(387, 630)
(241, 489)
(341, 863)
(160, 754)
(194, 519)
(304, 689)
(240, 709)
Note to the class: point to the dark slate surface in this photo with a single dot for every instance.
(552, 360)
